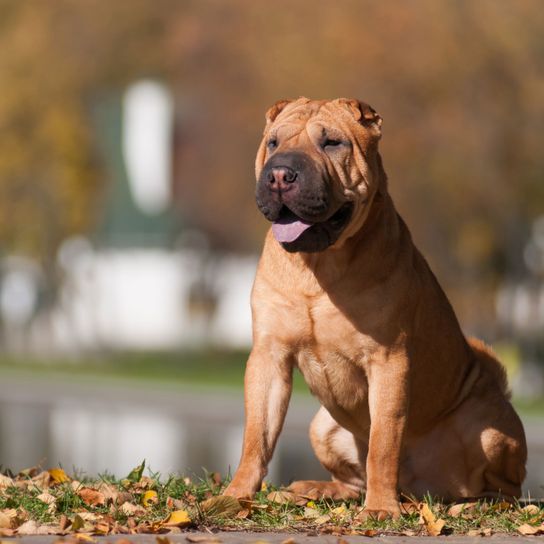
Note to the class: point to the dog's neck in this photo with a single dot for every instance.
(372, 250)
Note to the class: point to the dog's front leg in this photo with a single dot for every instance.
(268, 384)
(388, 405)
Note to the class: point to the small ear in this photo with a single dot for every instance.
(275, 110)
(365, 114)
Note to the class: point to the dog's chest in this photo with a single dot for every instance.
(335, 380)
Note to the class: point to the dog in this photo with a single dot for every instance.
(409, 405)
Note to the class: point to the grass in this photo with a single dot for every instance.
(206, 367)
(50, 502)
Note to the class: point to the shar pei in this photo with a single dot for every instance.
(409, 404)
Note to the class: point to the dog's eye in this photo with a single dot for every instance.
(329, 142)
(272, 143)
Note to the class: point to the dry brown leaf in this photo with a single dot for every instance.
(311, 513)
(178, 518)
(243, 514)
(434, 525)
(409, 507)
(48, 499)
(8, 533)
(221, 505)
(531, 509)
(5, 481)
(462, 508)
(89, 516)
(91, 497)
(290, 540)
(281, 497)
(32, 528)
(322, 519)
(130, 509)
(42, 480)
(5, 521)
(527, 529)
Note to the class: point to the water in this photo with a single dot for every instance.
(97, 427)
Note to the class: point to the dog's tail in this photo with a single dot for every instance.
(490, 364)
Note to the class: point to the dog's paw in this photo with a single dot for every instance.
(379, 514)
(316, 490)
(239, 492)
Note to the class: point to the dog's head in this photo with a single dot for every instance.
(318, 170)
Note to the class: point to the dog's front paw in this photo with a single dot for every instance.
(239, 491)
(380, 513)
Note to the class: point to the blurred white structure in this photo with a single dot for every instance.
(152, 299)
(148, 111)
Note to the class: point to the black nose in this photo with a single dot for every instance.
(281, 177)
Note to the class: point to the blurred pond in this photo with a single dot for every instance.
(100, 427)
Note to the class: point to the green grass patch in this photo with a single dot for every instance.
(209, 367)
(51, 502)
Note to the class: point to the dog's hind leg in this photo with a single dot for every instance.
(341, 454)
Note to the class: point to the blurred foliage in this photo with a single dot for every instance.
(459, 84)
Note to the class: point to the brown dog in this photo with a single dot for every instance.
(408, 404)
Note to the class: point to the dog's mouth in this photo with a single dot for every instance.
(289, 227)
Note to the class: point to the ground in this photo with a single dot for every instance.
(51, 503)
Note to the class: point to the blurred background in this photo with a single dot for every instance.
(128, 231)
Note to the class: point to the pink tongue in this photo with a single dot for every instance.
(288, 230)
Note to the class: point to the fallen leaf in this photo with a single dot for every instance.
(290, 540)
(5, 521)
(136, 473)
(311, 513)
(42, 480)
(92, 497)
(5, 481)
(205, 539)
(502, 506)
(89, 516)
(433, 524)
(462, 508)
(221, 505)
(77, 523)
(527, 529)
(48, 499)
(281, 497)
(32, 528)
(162, 540)
(150, 497)
(58, 475)
(130, 509)
(339, 510)
(178, 518)
(322, 519)
(409, 507)
(531, 509)
(243, 514)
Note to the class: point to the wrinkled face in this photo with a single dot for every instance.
(317, 171)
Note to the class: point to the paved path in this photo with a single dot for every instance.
(278, 538)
